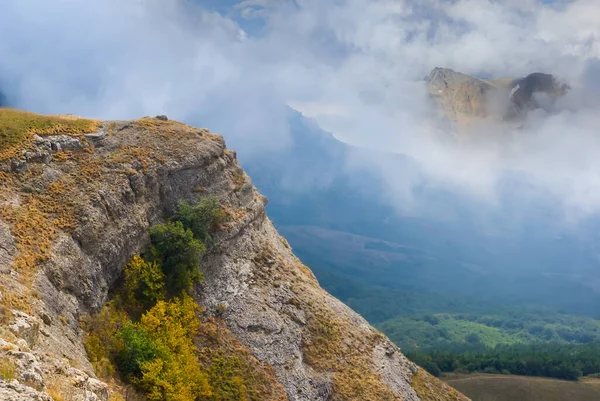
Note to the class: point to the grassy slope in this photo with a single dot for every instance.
(519, 388)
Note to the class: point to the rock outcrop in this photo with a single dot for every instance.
(460, 96)
(464, 99)
(523, 92)
(74, 208)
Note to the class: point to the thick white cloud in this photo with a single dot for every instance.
(356, 66)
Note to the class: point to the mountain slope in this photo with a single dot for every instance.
(464, 99)
(78, 198)
(459, 253)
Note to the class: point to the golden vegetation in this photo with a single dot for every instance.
(60, 391)
(429, 388)
(36, 218)
(170, 355)
(11, 300)
(170, 128)
(329, 346)
(234, 374)
(33, 232)
(17, 127)
(152, 337)
(8, 370)
(323, 344)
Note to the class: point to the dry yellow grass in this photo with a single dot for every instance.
(328, 346)
(17, 127)
(8, 370)
(520, 388)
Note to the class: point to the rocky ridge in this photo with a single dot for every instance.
(76, 206)
(463, 99)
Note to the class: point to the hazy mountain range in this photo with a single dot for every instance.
(372, 255)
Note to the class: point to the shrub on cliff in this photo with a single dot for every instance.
(202, 218)
(144, 285)
(178, 253)
(137, 348)
(175, 374)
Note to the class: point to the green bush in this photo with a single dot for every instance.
(138, 348)
(202, 218)
(178, 253)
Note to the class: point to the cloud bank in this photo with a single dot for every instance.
(355, 66)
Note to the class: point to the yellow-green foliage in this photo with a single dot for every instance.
(144, 285)
(149, 337)
(358, 383)
(100, 340)
(176, 373)
(8, 370)
(227, 383)
(156, 354)
(233, 373)
(16, 127)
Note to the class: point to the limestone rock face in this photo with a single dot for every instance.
(460, 96)
(101, 192)
(463, 99)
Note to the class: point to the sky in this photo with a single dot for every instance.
(354, 66)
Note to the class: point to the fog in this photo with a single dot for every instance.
(354, 66)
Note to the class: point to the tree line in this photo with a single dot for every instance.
(560, 361)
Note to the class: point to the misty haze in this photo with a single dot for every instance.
(434, 163)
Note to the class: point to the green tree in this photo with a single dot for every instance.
(202, 218)
(432, 368)
(473, 338)
(137, 349)
(178, 253)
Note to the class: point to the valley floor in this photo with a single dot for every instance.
(482, 387)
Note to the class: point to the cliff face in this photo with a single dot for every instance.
(464, 100)
(461, 97)
(78, 198)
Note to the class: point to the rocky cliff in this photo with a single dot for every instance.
(77, 200)
(464, 100)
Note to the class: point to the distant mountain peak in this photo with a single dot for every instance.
(464, 99)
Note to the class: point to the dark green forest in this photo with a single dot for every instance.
(561, 361)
